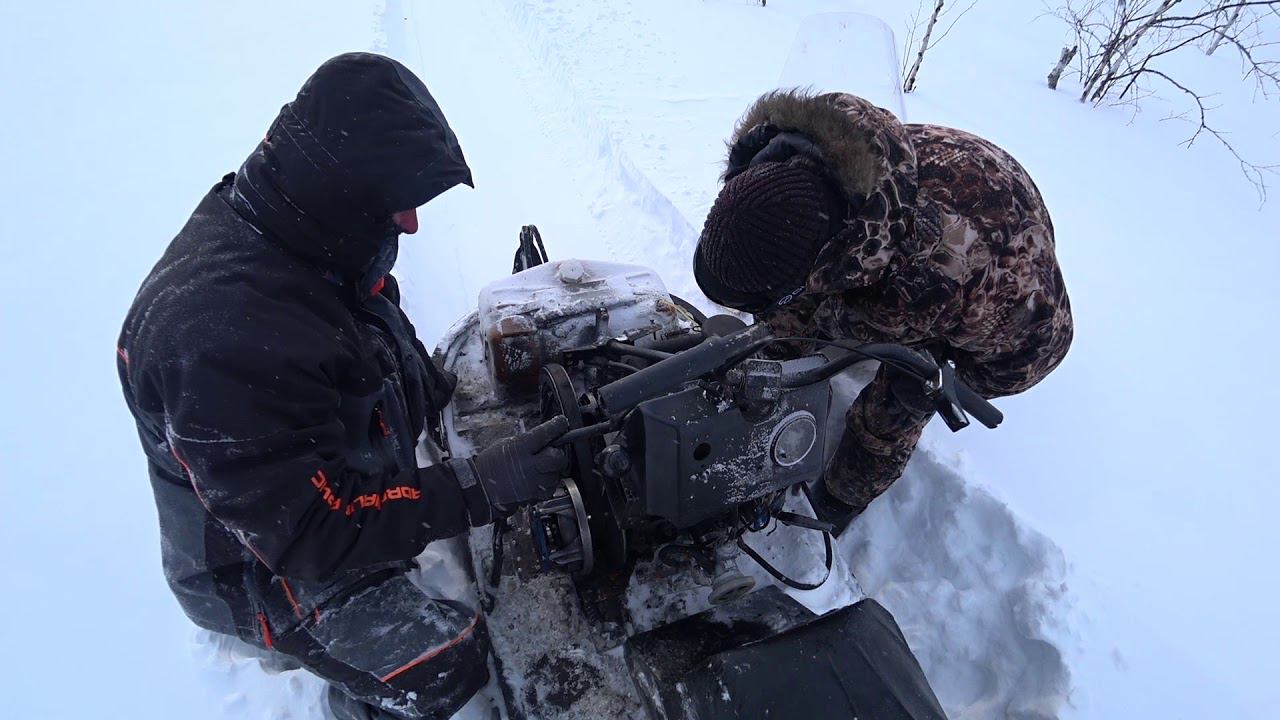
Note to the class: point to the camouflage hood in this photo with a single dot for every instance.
(867, 153)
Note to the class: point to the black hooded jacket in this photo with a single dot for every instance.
(278, 389)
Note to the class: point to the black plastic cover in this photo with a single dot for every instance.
(851, 663)
(700, 456)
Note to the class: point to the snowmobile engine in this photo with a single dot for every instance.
(676, 451)
(688, 442)
(683, 437)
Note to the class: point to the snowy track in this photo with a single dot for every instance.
(539, 156)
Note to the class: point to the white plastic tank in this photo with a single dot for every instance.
(526, 318)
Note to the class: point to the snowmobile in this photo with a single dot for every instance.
(661, 581)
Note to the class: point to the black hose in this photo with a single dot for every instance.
(678, 343)
(625, 368)
(624, 349)
(575, 435)
(777, 574)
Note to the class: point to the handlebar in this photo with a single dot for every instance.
(953, 397)
(920, 365)
(664, 376)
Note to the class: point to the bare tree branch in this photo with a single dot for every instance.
(1063, 61)
(909, 83)
(1256, 174)
(1222, 30)
(928, 41)
(1123, 43)
(912, 27)
(954, 20)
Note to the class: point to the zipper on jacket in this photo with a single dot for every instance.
(387, 342)
(384, 439)
(382, 423)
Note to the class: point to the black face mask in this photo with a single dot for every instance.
(382, 262)
(753, 303)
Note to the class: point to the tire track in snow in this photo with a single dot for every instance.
(482, 79)
(538, 155)
(638, 221)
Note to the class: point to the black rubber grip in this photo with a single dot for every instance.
(977, 406)
(920, 365)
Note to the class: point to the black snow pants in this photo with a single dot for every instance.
(386, 648)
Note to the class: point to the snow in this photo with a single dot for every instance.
(1105, 553)
(114, 122)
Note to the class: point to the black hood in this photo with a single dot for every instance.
(363, 139)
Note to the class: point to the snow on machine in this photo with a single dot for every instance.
(659, 581)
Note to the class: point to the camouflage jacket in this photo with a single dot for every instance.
(946, 240)
(945, 244)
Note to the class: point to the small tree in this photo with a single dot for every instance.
(927, 41)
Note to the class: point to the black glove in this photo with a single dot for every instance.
(909, 391)
(517, 471)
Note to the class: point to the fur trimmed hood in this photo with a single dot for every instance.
(865, 151)
(860, 144)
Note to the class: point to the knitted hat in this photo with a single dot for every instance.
(763, 233)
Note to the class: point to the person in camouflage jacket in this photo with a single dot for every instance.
(837, 221)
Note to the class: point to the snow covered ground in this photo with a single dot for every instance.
(1104, 554)
(115, 121)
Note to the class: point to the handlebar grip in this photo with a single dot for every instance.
(977, 406)
(922, 365)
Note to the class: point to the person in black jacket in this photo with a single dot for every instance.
(281, 394)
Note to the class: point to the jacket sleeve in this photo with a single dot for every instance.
(258, 433)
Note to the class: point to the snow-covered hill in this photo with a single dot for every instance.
(1104, 554)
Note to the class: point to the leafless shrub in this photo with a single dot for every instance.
(1123, 45)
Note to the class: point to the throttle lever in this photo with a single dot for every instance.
(955, 401)
(947, 400)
